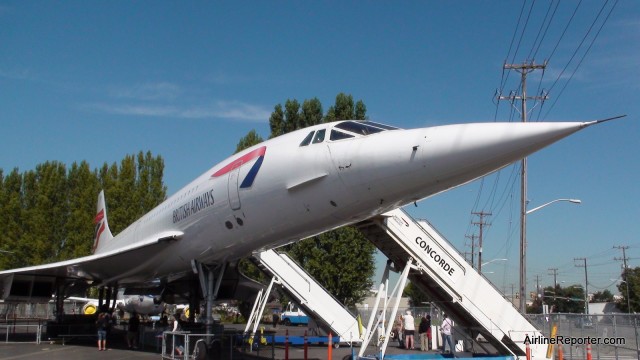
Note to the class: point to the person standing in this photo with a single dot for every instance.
(132, 331)
(447, 326)
(398, 329)
(409, 330)
(423, 330)
(102, 324)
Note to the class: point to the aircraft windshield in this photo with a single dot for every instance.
(363, 128)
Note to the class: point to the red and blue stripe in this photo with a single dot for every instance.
(253, 172)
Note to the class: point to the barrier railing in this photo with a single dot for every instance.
(21, 333)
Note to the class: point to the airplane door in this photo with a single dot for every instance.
(234, 194)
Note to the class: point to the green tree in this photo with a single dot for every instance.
(341, 260)
(311, 112)
(47, 213)
(252, 138)
(560, 300)
(292, 115)
(44, 198)
(276, 122)
(416, 296)
(82, 193)
(602, 296)
(11, 224)
(149, 186)
(632, 276)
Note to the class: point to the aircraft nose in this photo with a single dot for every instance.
(465, 152)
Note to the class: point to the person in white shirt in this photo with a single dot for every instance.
(446, 327)
(409, 329)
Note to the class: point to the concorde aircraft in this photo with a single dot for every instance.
(282, 190)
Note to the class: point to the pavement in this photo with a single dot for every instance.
(86, 348)
(46, 351)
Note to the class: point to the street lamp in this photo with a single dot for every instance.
(573, 201)
(490, 261)
(523, 246)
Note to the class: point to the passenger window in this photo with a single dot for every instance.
(339, 135)
(307, 140)
(319, 136)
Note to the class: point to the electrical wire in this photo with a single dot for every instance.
(531, 55)
(585, 53)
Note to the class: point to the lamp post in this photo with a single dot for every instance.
(523, 246)
(493, 260)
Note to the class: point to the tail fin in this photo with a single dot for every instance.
(102, 234)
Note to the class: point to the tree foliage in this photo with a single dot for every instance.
(632, 297)
(341, 260)
(47, 213)
(568, 299)
(252, 138)
(602, 296)
(416, 296)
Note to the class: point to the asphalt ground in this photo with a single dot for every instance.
(46, 351)
(86, 348)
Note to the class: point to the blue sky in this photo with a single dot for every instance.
(98, 80)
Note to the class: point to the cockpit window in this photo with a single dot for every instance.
(319, 136)
(307, 140)
(382, 126)
(339, 135)
(359, 128)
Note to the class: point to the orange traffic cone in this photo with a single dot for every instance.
(560, 355)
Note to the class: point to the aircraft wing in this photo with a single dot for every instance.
(37, 283)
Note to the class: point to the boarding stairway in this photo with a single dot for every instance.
(312, 298)
(432, 264)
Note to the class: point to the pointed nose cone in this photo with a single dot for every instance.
(457, 154)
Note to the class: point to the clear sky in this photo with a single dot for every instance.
(186, 80)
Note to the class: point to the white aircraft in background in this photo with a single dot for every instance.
(280, 191)
(139, 304)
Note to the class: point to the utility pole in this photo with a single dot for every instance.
(473, 248)
(524, 69)
(586, 284)
(481, 224)
(625, 273)
(555, 282)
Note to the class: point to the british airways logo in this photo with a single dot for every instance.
(100, 227)
(253, 172)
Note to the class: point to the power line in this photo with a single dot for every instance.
(585, 53)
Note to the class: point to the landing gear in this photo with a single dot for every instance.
(210, 279)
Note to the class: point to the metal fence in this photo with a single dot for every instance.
(21, 333)
(612, 336)
(12, 311)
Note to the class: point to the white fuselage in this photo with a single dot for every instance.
(299, 191)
